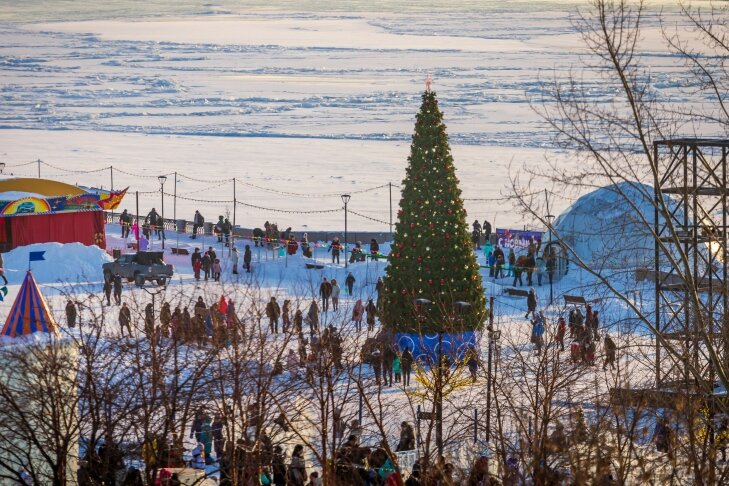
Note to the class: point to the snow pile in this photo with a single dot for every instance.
(70, 262)
(611, 226)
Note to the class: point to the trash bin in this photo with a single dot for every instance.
(180, 225)
(208, 228)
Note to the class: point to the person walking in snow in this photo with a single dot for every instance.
(335, 294)
(476, 235)
(125, 319)
(499, 257)
(196, 260)
(234, 260)
(610, 348)
(406, 364)
(117, 289)
(517, 269)
(71, 314)
(486, 229)
(312, 317)
(407, 438)
(217, 270)
(125, 220)
(335, 248)
(349, 282)
(206, 437)
(512, 264)
(538, 332)
(531, 304)
(197, 222)
(561, 331)
(472, 363)
(297, 469)
(596, 325)
(247, 258)
(325, 291)
(286, 316)
(206, 265)
(227, 230)
(165, 318)
(371, 310)
(219, 228)
(291, 246)
(273, 312)
(531, 265)
(156, 223)
(298, 322)
(107, 290)
(358, 314)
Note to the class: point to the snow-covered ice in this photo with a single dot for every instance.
(290, 97)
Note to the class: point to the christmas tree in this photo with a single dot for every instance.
(432, 257)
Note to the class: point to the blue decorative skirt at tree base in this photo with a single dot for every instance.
(455, 346)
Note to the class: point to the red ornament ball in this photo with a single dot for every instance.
(404, 292)
(442, 281)
(412, 225)
(450, 211)
(430, 281)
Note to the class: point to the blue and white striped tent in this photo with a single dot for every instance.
(30, 313)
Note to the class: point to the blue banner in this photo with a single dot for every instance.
(518, 239)
(425, 347)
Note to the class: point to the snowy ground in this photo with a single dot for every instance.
(289, 97)
(287, 277)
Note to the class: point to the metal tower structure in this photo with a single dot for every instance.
(691, 261)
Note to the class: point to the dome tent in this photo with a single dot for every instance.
(612, 226)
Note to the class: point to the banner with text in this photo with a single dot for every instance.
(518, 239)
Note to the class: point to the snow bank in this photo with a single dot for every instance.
(71, 262)
(611, 226)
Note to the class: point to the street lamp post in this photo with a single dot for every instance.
(345, 200)
(2, 167)
(550, 262)
(162, 180)
(494, 337)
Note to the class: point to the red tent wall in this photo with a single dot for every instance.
(85, 227)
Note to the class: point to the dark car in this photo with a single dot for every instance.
(140, 267)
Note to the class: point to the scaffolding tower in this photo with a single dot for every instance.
(690, 261)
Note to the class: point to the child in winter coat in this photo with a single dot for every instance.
(216, 270)
(396, 368)
(234, 260)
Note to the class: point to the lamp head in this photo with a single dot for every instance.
(346, 198)
(162, 179)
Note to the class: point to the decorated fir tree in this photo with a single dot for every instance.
(431, 257)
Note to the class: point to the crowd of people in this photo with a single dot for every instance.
(218, 322)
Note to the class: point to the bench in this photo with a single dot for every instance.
(516, 292)
(314, 266)
(180, 251)
(574, 299)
